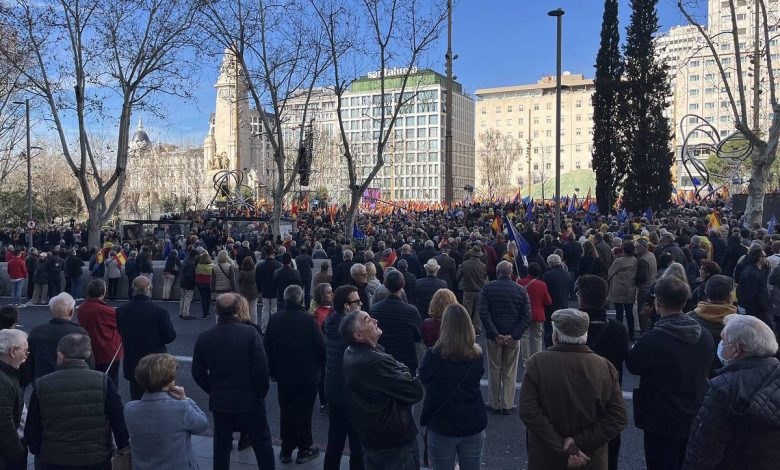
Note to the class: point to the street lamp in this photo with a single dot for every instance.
(26, 104)
(558, 14)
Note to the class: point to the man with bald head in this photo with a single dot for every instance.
(145, 329)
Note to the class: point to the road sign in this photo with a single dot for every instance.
(31, 224)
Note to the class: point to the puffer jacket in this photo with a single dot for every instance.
(223, 278)
(12, 450)
(504, 308)
(738, 424)
(334, 359)
(622, 280)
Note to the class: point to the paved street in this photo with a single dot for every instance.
(505, 447)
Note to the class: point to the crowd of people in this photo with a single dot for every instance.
(374, 325)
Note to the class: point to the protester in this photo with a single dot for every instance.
(372, 282)
(230, 365)
(43, 339)
(170, 273)
(324, 276)
(9, 317)
(80, 434)
(204, 272)
(427, 286)
(41, 282)
(340, 422)
(706, 271)
(223, 275)
(400, 323)
(145, 328)
(99, 320)
(470, 277)
(673, 361)
(623, 286)
(17, 272)
(113, 274)
(505, 311)
(565, 429)
(74, 269)
(711, 312)
(13, 353)
(606, 337)
(341, 272)
(447, 267)
(358, 277)
(738, 425)
(247, 286)
(539, 296)
(453, 411)
(557, 280)
(304, 265)
(187, 284)
(264, 278)
(162, 422)
(752, 292)
(381, 392)
(431, 326)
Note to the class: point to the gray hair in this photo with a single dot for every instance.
(695, 240)
(142, 286)
(75, 346)
(62, 305)
(222, 256)
(11, 338)
(676, 270)
(347, 254)
(293, 294)
(553, 260)
(504, 268)
(356, 269)
(751, 334)
(566, 339)
(348, 326)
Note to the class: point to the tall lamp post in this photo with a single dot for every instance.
(558, 14)
(26, 104)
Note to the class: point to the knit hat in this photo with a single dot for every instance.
(571, 322)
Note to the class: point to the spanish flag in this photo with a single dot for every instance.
(714, 222)
(496, 225)
(99, 258)
(120, 258)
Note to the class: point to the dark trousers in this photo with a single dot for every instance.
(55, 286)
(97, 466)
(401, 458)
(30, 286)
(664, 452)
(613, 453)
(339, 428)
(136, 391)
(113, 373)
(255, 425)
(113, 287)
(321, 388)
(629, 312)
(205, 299)
(306, 293)
(295, 408)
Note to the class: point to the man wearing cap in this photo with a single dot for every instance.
(427, 286)
(505, 311)
(565, 426)
(471, 276)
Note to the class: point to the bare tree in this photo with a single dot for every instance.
(758, 62)
(384, 33)
(540, 173)
(495, 158)
(95, 62)
(279, 54)
(12, 125)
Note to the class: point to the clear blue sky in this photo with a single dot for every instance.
(499, 43)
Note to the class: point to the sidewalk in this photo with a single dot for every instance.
(244, 460)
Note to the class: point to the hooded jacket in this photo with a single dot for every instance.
(673, 361)
(738, 425)
(710, 316)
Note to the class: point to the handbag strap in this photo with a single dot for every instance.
(454, 390)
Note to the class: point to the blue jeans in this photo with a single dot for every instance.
(399, 458)
(75, 286)
(444, 450)
(16, 291)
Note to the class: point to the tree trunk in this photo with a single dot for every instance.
(93, 227)
(277, 214)
(351, 216)
(754, 210)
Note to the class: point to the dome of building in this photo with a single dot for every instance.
(140, 135)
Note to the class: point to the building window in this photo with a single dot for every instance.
(498, 109)
(693, 92)
(578, 148)
(694, 63)
(549, 120)
(578, 131)
(536, 134)
(578, 104)
(549, 133)
(549, 105)
(578, 117)
(509, 109)
(578, 165)
(536, 119)
(498, 123)
(547, 166)
(536, 106)
(509, 122)
(536, 152)
(484, 111)
(693, 106)
(536, 165)
(520, 121)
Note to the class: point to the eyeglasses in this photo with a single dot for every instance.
(356, 301)
(26, 351)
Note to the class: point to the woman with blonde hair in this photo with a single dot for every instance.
(322, 302)
(247, 286)
(372, 283)
(454, 411)
(442, 298)
(163, 421)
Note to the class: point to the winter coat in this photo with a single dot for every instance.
(17, 269)
(145, 327)
(223, 277)
(74, 266)
(607, 338)
(557, 280)
(203, 274)
(582, 399)
(246, 284)
(710, 317)
(504, 308)
(538, 295)
(284, 277)
(400, 329)
(738, 424)
(752, 292)
(264, 277)
(622, 280)
(471, 275)
(187, 274)
(12, 449)
(424, 290)
(113, 268)
(99, 319)
(294, 346)
(673, 361)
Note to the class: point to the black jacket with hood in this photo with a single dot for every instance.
(673, 361)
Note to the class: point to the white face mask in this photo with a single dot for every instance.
(723, 360)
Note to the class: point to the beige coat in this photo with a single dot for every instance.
(622, 280)
(569, 391)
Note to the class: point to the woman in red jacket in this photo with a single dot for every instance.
(99, 319)
(531, 341)
(17, 271)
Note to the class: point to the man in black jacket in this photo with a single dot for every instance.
(607, 338)
(13, 353)
(229, 363)
(145, 266)
(145, 329)
(284, 277)
(304, 264)
(340, 425)
(341, 274)
(505, 311)
(75, 401)
(673, 361)
(381, 393)
(264, 278)
(187, 282)
(427, 286)
(447, 267)
(296, 352)
(44, 339)
(400, 322)
(557, 280)
(73, 271)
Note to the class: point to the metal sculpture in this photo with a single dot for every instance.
(228, 184)
(734, 148)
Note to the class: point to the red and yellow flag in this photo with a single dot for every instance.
(99, 258)
(120, 258)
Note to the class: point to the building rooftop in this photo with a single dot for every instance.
(545, 83)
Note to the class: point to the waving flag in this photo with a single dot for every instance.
(120, 258)
(622, 215)
(529, 211)
(649, 214)
(572, 205)
(714, 221)
(496, 225)
(771, 225)
(357, 233)
(587, 203)
(522, 246)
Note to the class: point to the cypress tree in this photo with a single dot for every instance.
(609, 156)
(650, 157)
